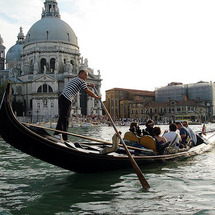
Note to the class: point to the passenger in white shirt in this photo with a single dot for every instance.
(172, 135)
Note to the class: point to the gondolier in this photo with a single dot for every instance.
(65, 100)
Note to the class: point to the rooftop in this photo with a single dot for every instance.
(135, 92)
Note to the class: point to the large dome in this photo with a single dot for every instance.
(51, 29)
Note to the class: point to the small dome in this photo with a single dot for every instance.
(51, 29)
(14, 53)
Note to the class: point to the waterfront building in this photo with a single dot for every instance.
(41, 63)
(166, 112)
(203, 93)
(175, 102)
(119, 100)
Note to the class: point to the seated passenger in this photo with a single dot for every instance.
(131, 137)
(149, 128)
(193, 135)
(172, 136)
(185, 135)
(161, 142)
(134, 128)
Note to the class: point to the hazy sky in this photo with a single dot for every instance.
(136, 44)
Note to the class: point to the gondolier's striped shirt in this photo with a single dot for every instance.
(73, 87)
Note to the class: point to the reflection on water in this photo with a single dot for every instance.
(30, 186)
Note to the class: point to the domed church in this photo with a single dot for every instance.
(41, 63)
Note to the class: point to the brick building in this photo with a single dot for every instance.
(119, 100)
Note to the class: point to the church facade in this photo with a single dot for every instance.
(41, 63)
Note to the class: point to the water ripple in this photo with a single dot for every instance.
(30, 186)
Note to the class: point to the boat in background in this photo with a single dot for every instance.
(87, 125)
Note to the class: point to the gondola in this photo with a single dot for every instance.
(78, 157)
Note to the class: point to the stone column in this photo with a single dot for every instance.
(78, 104)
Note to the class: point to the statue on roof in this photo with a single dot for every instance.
(68, 67)
(1, 40)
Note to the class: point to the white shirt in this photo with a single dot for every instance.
(170, 136)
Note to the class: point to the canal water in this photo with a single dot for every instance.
(29, 186)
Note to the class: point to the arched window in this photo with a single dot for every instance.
(42, 64)
(47, 35)
(68, 37)
(50, 7)
(31, 62)
(45, 89)
(52, 65)
(31, 66)
(50, 89)
(31, 103)
(39, 89)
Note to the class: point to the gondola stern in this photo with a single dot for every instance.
(6, 111)
(7, 93)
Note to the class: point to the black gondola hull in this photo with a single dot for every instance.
(57, 153)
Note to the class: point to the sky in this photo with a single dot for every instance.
(136, 44)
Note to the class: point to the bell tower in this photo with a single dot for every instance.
(2, 54)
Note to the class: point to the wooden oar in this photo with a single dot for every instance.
(83, 137)
(140, 175)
